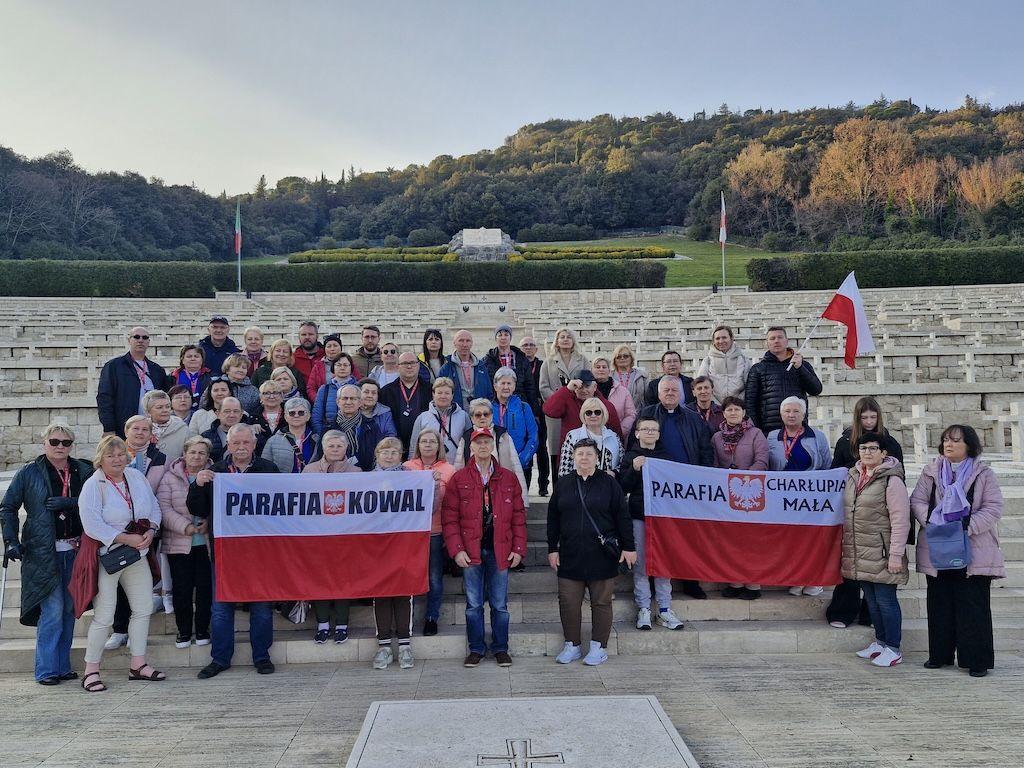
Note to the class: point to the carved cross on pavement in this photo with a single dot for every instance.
(520, 755)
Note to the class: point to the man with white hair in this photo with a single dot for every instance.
(240, 457)
(469, 372)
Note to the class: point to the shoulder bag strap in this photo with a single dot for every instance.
(586, 510)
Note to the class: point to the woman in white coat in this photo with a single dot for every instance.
(726, 365)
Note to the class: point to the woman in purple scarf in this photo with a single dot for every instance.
(957, 487)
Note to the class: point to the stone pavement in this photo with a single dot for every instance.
(790, 711)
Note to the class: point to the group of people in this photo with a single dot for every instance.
(131, 531)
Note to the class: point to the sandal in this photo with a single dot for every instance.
(154, 676)
(96, 686)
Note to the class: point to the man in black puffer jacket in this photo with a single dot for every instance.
(769, 383)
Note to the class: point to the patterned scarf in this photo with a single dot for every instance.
(348, 424)
(731, 435)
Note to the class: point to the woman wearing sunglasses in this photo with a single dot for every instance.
(594, 416)
(48, 488)
(295, 445)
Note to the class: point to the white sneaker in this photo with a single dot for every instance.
(888, 658)
(837, 624)
(643, 618)
(669, 620)
(813, 591)
(383, 658)
(569, 653)
(796, 591)
(115, 641)
(405, 660)
(168, 604)
(871, 651)
(597, 655)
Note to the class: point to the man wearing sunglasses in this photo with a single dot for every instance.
(125, 380)
(48, 487)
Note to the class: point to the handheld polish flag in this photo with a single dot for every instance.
(847, 307)
(721, 225)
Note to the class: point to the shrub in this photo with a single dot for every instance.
(369, 254)
(889, 268)
(551, 253)
(392, 241)
(428, 236)
(542, 232)
(46, 277)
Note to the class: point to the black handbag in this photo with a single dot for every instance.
(118, 558)
(610, 545)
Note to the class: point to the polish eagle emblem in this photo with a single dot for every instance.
(746, 492)
(334, 503)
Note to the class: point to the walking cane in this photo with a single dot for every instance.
(3, 588)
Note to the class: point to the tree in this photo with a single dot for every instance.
(261, 188)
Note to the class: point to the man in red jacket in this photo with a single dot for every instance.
(310, 351)
(483, 519)
(565, 405)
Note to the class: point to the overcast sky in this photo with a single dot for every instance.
(217, 93)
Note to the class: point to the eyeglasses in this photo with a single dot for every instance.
(63, 443)
(869, 449)
(408, 362)
(140, 337)
(479, 414)
(298, 413)
(647, 429)
(271, 394)
(593, 413)
(623, 357)
(215, 379)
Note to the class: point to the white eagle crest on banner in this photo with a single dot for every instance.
(746, 492)
(334, 503)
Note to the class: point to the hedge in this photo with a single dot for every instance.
(889, 268)
(432, 253)
(553, 253)
(200, 280)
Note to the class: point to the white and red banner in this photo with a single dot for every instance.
(726, 525)
(321, 536)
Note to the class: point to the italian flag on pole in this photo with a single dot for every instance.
(238, 228)
(847, 307)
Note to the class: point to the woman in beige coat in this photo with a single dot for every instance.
(562, 366)
(875, 531)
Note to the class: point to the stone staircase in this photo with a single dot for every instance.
(777, 623)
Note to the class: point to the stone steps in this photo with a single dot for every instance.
(533, 639)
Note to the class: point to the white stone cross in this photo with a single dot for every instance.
(912, 369)
(55, 385)
(1016, 420)
(879, 366)
(998, 418)
(520, 755)
(824, 369)
(831, 420)
(969, 367)
(920, 421)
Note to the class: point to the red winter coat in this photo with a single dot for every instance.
(462, 514)
(304, 364)
(566, 406)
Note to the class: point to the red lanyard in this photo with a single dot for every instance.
(65, 481)
(408, 398)
(788, 444)
(193, 380)
(706, 415)
(126, 494)
(502, 410)
(298, 446)
(623, 379)
(142, 372)
(233, 469)
(467, 373)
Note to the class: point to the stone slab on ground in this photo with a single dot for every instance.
(519, 733)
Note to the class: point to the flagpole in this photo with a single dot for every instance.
(723, 265)
(806, 339)
(238, 241)
(722, 236)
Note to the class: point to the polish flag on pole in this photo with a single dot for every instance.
(847, 307)
(721, 225)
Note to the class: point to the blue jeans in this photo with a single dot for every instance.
(222, 630)
(436, 575)
(56, 626)
(885, 612)
(486, 582)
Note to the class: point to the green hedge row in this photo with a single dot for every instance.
(200, 280)
(889, 268)
(538, 253)
(431, 253)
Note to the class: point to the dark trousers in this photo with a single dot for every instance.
(325, 609)
(570, 609)
(191, 579)
(541, 457)
(960, 619)
(847, 605)
(394, 612)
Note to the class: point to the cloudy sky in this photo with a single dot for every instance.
(217, 93)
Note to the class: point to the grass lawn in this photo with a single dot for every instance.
(705, 267)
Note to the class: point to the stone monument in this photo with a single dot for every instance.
(481, 245)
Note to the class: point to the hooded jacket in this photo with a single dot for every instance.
(458, 422)
(876, 525)
(521, 425)
(172, 439)
(482, 386)
(769, 383)
(462, 514)
(813, 441)
(983, 526)
(325, 404)
(172, 495)
(564, 408)
(305, 363)
(727, 371)
(364, 363)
